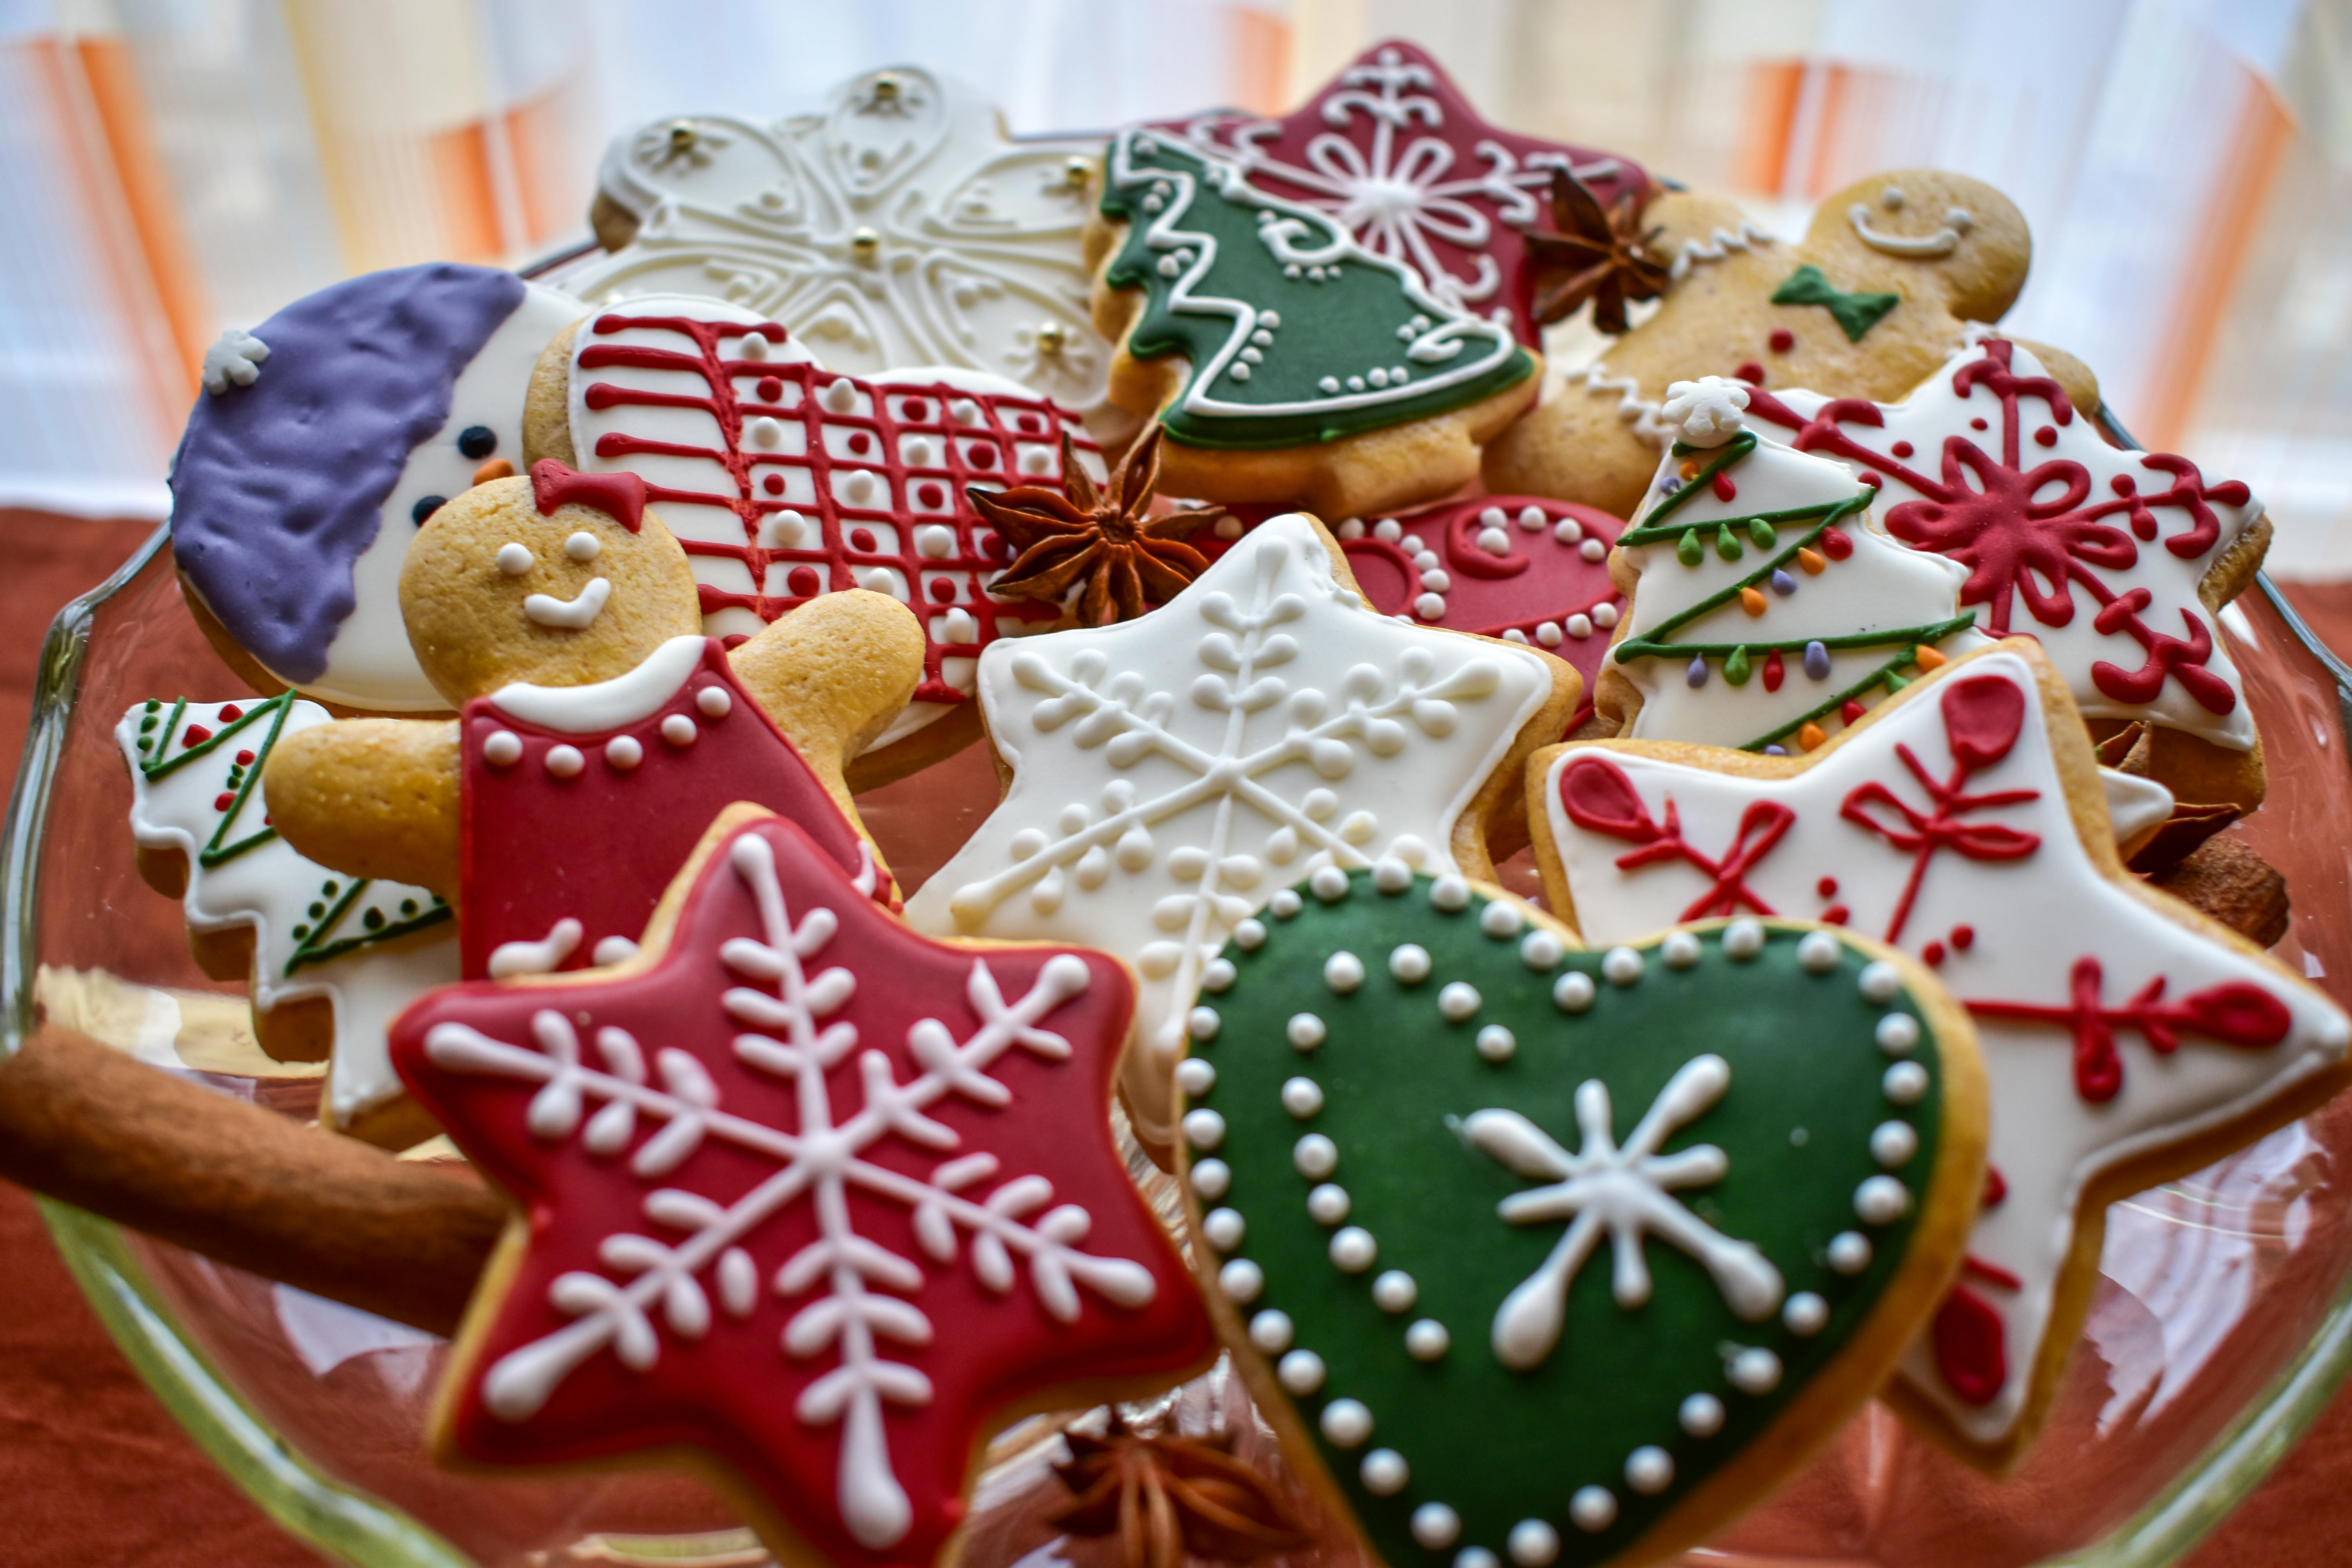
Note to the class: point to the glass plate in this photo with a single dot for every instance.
(2221, 1327)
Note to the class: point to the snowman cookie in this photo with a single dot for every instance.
(599, 729)
(322, 441)
(1552, 1255)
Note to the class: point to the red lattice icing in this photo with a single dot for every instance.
(814, 1194)
(1392, 150)
(818, 456)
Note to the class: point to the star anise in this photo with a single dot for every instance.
(1601, 254)
(1167, 1497)
(1128, 560)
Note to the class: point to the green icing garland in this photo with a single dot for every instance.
(1825, 1055)
(1763, 529)
(1295, 334)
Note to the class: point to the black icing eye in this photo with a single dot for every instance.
(426, 507)
(477, 441)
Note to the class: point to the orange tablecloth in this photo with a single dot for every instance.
(93, 1471)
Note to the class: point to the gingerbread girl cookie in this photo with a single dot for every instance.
(824, 1200)
(600, 729)
(1875, 295)
(322, 441)
(1557, 1255)
(2128, 1038)
(1166, 775)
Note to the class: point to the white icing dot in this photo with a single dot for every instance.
(514, 559)
(1429, 606)
(1533, 1543)
(1343, 971)
(565, 762)
(1394, 1291)
(714, 702)
(1250, 935)
(1302, 1096)
(1743, 940)
(1436, 1526)
(1879, 982)
(583, 546)
(679, 729)
(1753, 1370)
(1270, 1332)
(1212, 1177)
(1578, 626)
(1217, 976)
(1819, 952)
(1390, 875)
(1203, 1023)
(766, 431)
(1353, 1249)
(1476, 1557)
(623, 752)
(1567, 531)
(1195, 1076)
(1680, 950)
(1805, 1314)
(1621, 966)
(1905, 1083)
(1449, 895)
(1346, 1423)
(1898, 1034)
(1204, 1128)
(1540, 949)
(613, 949)
(1384, 1472)
(1224, 1228)
(1548, 634)
(1593, 550)
(1500, 921)
(1496, 1043)
(503, 749)
(1881, 1200)
(1327, 1204)
(1892, 1144)
(1458, 1000)
(1604, 616)
(841, 397)
(1305, 1031)
(1283, 904)
(1329, 884)
(1427, 1340)
(1240, 1280)
(1573, 991)
(1314, 1156)
(1410, 963)
(1649, 1469)
(1300, 1372)
(1701, 1415)
(1849, 1252)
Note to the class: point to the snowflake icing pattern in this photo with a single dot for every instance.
(1623, 1193)
(1965, 482)
(690, 1174)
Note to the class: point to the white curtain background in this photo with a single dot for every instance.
(171, 167)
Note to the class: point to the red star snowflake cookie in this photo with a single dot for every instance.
(2095, 552)
(1392, 150)
(803, 1189)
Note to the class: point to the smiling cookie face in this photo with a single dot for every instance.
(1970, 235)
(553, 579)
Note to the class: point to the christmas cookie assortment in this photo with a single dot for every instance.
(1853, 688)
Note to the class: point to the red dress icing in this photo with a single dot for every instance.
(840, 1319)
(599, 847)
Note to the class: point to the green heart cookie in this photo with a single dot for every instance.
(1560, 1255)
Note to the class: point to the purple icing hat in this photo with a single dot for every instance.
(279, 486)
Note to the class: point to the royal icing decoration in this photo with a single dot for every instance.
(1392, 152)
(2094, 552)
(367, 947)
(782, 481)
(1768, 613)
(2110, 1028)
(900, 228)
(1463, 1184)
(1293, 333)
(1169, 773)
(582, 801)
(232, 359)
(294, 494)
(816, 1194)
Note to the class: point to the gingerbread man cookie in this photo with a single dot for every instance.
(1288, 364)
(1874, 298)
(1559, 1255)
(2128, 1038)
(322, 443)
(1166, 775)
(599, 731)
(822, 1199)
